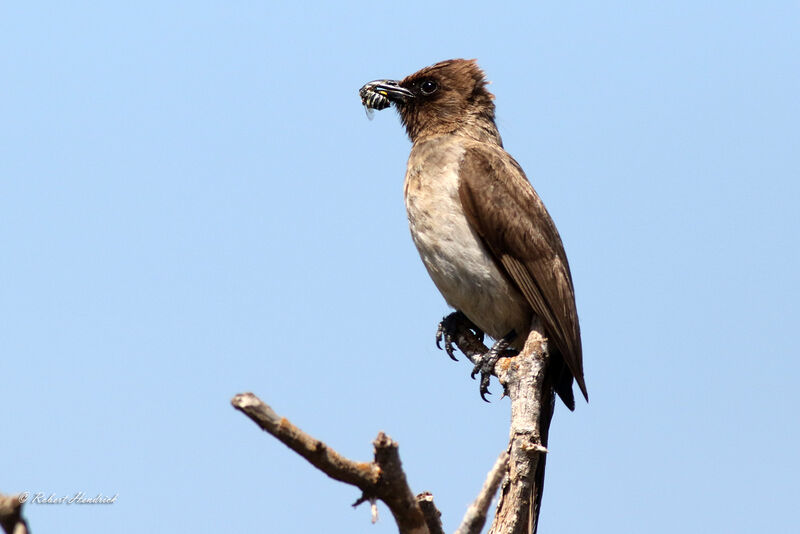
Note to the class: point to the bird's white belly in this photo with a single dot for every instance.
(456, 259)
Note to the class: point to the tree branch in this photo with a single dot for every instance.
(11, 515)
(383, 478)
(520, 468)
(532, 401)
(523, 378)
(475, 517)
(433, 517)
(360, 474)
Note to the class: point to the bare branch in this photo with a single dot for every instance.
(384, 478)
(520, 469)
(392, 488)
(532, 401)
(433, 517)
(475, 517)
(11, 514)
(360, 474)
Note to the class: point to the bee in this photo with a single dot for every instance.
(373, 99)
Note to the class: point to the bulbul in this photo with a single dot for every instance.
(481, 230)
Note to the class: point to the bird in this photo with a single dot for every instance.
(484, 235)
(481, 230)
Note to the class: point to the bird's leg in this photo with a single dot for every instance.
(455, 329)
(484, 364)
(450, 328)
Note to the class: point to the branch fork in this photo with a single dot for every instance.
(520, 468)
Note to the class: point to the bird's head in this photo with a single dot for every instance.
(448, 97)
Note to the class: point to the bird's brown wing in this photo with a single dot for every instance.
(506, 212)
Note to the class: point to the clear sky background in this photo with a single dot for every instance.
(193, 204)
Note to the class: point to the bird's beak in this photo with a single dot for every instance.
(388, 88)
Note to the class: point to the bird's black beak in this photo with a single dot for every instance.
(378, 93)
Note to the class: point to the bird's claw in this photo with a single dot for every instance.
(485, 363)
(443, 333)
(450, 327)
(485, 366)
(455, 325)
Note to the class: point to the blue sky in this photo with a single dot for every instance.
(193, 204)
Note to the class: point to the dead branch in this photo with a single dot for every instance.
(532, 401)
(383, 478)
(531, 409)
(433, 517)
(475, 517)
(520, 468)
(11, 514)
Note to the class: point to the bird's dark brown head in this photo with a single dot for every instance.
(448, 97)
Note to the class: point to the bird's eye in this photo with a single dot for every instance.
(428, 87)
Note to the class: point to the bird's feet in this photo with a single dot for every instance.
(484, 363)
(452, 327)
